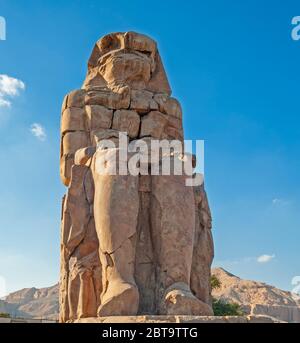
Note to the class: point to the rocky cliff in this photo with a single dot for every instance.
(32, 303)
(256, 297)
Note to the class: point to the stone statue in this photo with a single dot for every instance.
(130, 244)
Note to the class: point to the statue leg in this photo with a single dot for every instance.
(173, 225)
(116, 206)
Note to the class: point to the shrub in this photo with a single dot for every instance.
(215, 282)
(4, 315)
(222, 308)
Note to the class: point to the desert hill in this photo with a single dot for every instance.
(32, 303)
(254, 297)
(257, 297)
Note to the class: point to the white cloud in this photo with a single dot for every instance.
(4, 103)
(9, 87)
(265, 258)
(38, 131)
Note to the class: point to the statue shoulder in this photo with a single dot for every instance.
(168, 105)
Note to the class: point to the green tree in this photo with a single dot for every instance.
(220, 307)
(215, 282)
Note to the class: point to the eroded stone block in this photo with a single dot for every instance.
(153, 124)
(73, 119)
(127, 121)
(73, 141)
(98, 117)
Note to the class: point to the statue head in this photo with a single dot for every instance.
(127, 59)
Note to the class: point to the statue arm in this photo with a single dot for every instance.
(86, 119)
(74, 132)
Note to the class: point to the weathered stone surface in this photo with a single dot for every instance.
(116, 203)
(145, 183)
(73, 141)
(140, 42)
(132, 69)
(180, 300)
(131, 244)
(180, 319)
(116, 98)
(289, 314)
(116, 206)
(104, 134)
(173, 129)
(66, 163)
(80, 282)
(142, 101)
(64, 104)
(168, 105)
(153, 125)
(159, 82)
(83, 156)
(203, 252)
(76, 98)
(127, 121)
(171, 133)
(94, 80)
(73, 119)
(173, 238)
(98, 117)
(145, 266)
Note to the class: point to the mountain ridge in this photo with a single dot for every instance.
(254, 297)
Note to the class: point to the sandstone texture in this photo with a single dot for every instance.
(182, 319)
(130, 244)
(257, 298)
(157, 320)
(280, 305)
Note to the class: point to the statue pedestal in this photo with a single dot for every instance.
(179, 319)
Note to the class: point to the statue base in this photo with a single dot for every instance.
(179, 319)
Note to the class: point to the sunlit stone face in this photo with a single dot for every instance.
(131, 68)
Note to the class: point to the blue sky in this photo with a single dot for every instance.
(235, 69)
